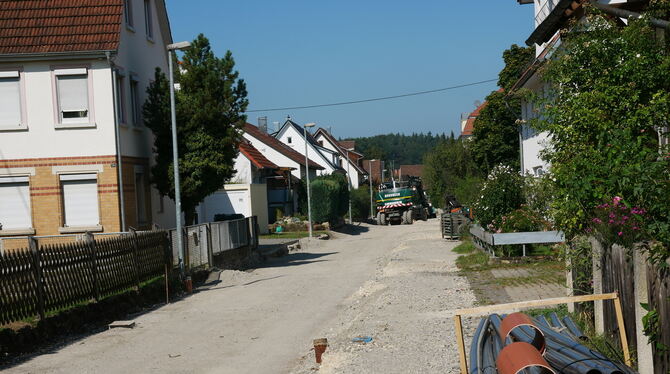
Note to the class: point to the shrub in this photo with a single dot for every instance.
(360, 203)
(614, 222)
(330, 197)
(520, 220)
(502, 193)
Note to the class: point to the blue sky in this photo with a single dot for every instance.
(304, 52)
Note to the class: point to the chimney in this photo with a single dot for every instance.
(263, 124)
(277, 125)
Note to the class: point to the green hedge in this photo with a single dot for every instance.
(330, 198)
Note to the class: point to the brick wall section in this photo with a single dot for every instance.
(45, 192)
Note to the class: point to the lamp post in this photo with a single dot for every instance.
(175, 155)
(349, 185)
(309, 201)
(372, 213)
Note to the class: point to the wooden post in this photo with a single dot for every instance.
(93, 257)
(136, 257)
(622, 331)
(39, 280)
(187, 253)
(210, 250)
(645, 354)
(598, 310)
(461, 344)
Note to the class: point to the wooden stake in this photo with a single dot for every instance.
(461, 344)
(622, 331)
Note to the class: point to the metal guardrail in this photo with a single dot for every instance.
(487, 240)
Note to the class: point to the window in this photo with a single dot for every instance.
(140, 198)
(120, 98)
(289, 140)
(72, 92)
(135, 108)
(80, 200)
(14, 203)
(321, 143)
(538, 171)
(10, 99)
(128, 11)
(148, 20)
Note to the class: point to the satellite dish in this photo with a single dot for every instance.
(477, 103)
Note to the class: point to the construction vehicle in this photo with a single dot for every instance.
(401, 202)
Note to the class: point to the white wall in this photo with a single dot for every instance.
(275, 156)
(246, 199)
(244, 170)
(298, 144)
(42, 139)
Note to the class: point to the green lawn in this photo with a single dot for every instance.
(292, 235)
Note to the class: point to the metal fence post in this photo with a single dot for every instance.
(93, 250)
(39, 281)
(136, 256)
(185, 249)
(210, 252)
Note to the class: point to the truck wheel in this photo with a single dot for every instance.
(424, 214)
(379, 218)
(383, 219)
(407, 217)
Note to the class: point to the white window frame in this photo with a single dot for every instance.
(140, 209)
(121, 96)
(17, 72)
(19, 178)
(128, 14)
(57, 71)
(135, 106)
(79, 176)
(148, 21)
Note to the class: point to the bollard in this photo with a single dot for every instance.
(319, 348)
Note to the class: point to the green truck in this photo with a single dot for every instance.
(401, 202)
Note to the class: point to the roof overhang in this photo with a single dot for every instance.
(76, 55)
(545, 30)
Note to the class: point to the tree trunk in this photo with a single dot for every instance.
(189, 216)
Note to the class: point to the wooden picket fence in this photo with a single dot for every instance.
(38, 280)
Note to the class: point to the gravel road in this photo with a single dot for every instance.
(396, 284)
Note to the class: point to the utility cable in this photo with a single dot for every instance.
(376, 98)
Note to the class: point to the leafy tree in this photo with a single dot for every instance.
(402, 149)
(516, 60)
(450, 169)
(496, 135)
(330, 197)
(209, 105)
(609, 105)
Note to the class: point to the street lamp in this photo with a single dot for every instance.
(309, 202)
(349, 185)
(372, 214)
(175, 156)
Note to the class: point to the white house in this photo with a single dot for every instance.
(293, 135)
(247, 192)
(549, 16)
(348, 159)
(73, 77)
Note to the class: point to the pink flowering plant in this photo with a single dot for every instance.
(614, 222)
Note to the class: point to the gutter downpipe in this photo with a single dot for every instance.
(623, 13)
(117, 135)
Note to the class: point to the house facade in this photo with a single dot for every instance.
(73, 77)
(348, 158)
(549, 17)
(293, 135)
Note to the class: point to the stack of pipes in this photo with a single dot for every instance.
(519, 344)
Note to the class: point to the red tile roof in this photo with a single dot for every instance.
(278, 146)
(256, 157)
(47, 26)
(348, 144)
(472, 118)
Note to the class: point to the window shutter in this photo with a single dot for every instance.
(73, 96)
(80, 200)
(10, 101)
(15, 203)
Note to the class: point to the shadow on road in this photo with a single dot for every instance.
(295, 259)
(351, 229)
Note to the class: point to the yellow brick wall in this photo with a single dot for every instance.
(46, 199)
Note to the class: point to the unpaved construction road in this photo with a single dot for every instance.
(396, 284)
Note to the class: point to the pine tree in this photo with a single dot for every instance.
(210, 105)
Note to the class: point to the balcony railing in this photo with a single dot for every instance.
(545, 9)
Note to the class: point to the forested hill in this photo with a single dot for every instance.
(402, 149)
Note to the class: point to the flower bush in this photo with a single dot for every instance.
(501, 194)
(520, 220)
(614, 222)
